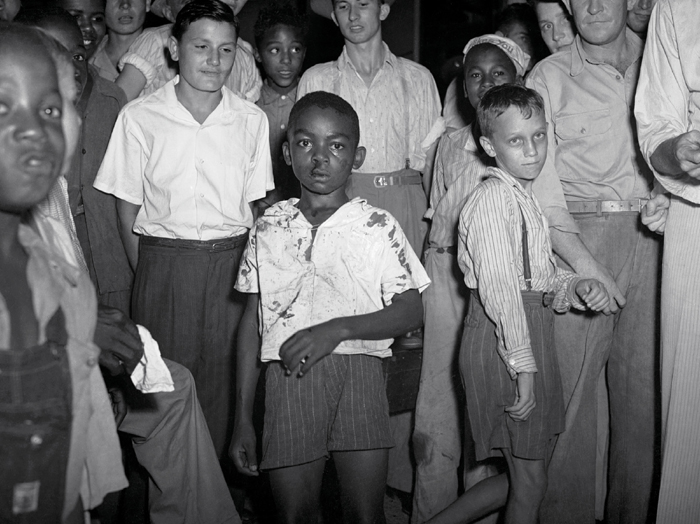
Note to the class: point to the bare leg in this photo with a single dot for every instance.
(528, 482)
(296, 491)
(362, 478)
(480, 500)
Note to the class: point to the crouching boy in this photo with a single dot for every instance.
(514, 403)
(330, 282)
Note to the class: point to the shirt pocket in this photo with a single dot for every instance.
(584, 143)
(583, 126)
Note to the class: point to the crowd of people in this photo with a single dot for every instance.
(210, 251)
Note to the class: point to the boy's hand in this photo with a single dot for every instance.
(242, 450)
(593, 293)
(524, 399)
(118, 339)
(655, 213)
(306, 347)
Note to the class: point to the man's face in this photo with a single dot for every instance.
(31, 136)
(600, 22)
(518, 144)
(322, 150)
(205, 54)
(359, 20)
(282, 53)
(9, 9)
(638, 16)
(90, 15)
(486, 66)
(555, 25)
(126, 17)
(518, 33)
(71, 38)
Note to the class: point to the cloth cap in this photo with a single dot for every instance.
(519, 57)
(324, 8)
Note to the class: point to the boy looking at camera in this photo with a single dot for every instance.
(333, 280)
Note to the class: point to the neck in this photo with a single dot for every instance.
(367, 57)
(200, 104)
(318, 208)
(9, 226)
(615, 53)
(118, 45)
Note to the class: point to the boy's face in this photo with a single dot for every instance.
(281, 53)
(359, 20)
(9, 9)
(600, 22)
(90, 15)
(71, 39)
(322, 150)
(518, 33)
(205, 54)
(638, 16)
(31, 137)
(555, 26)
(486, 66)
(518, 144)
(126, 17)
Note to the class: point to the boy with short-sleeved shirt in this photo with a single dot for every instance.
(186, 163)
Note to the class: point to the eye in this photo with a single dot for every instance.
(337, 146)
(475, 75)
(52, 112)
(4, 109)
(78, 58)
(304, 142)
(98, 18)
(514, 141)
(273, 50)
(200, 46)
(227, 50)
(296, 49)
(540, 135)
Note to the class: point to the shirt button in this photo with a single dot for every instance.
(284, 97)
(91, 362)
(84, 151)
(371, 120)
(618, 77)
(511, 362)
(372, 150)
(201, 195)
(283, 126)
(36, 440)
(583, 131)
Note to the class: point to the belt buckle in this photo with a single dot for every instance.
(547, 299)
(381, 181)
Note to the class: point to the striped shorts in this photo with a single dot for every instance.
(489, 388)
(340, 404)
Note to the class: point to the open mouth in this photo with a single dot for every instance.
(37, 163)
(125, 20)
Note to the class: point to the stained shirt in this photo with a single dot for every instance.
(193, 181)
(150, 55)
(592, 143)
(100, 60)
(490, 254)
(351, 264)
(277, 108)
(457, 170)
(94, 460)
(400, 85)
(668, 99)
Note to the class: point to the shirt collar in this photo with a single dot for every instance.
(269, 95)
(344, 61)
(579, 56)
(229, 106)
(505, 177)
(82, 105)
(36, 248)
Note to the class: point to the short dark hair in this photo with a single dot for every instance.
(498, 99)
(198, 9)
(279, 13)
(325, 100)
(526, 15)
(44, 16)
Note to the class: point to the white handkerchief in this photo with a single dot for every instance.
(151, 375)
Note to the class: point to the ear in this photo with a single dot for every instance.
(630, 4)
(168, 13)
(519, 81)
(257, 56)
(384, 10)
(486, 144)
(360, 154)
(148, 6)
(286, 153)
(173, 47)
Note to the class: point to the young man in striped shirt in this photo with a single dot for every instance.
(515, 403)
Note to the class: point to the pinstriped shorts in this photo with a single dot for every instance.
(340, 404)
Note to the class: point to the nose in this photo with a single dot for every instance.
(319, 154)
(353, 13)
(125, 4)
(595, 7)
(558, 32)
(214, 57)
(530, 148)
(644, 4)
(29, 128)
(285, 56)
(85, 26)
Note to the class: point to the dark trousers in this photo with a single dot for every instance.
(183, 293)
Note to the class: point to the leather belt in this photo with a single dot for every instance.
(396, 180)
(599, 207)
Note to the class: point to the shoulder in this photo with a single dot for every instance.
(415, 70)
(556, 64)
(491, 196)
(320, 73)
(240, 105)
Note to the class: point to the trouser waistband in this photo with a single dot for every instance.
(218, 244)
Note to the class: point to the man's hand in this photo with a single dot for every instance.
(119, 407)
(686, 148)
(603, 275)
(242, 449)
(524, 399)
(306, 347)
(593, 294)
(655, 213)
(118, 339)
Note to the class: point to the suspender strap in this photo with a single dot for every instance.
(526, 255)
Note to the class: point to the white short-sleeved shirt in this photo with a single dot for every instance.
(358, 260)
(193, 181)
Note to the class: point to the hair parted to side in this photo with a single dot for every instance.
(279, 13)
(325, 100)
(198, 9)
(498, 99)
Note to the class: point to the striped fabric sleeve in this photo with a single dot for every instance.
(490, 224)
(565, 291)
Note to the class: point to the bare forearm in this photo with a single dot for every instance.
(127, 216)
(403, 315)
(247, 362)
